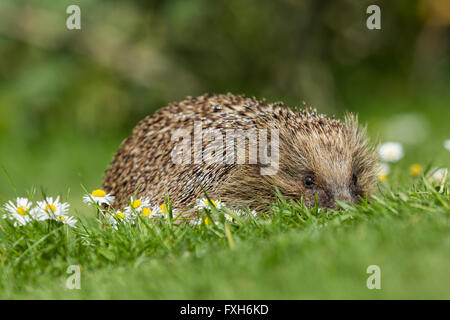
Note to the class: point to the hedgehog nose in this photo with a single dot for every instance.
(343, 195)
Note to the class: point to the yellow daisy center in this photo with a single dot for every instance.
(415, 170)
(98, 193)
(382, 177)
(163, 208)
(120, 215)
(50, 208)
(61, 218)
(136, 204)
(212, 202)
(208, 222)
(22, 210)
(146, 212)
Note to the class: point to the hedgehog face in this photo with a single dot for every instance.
(323, 160)
(328, 164)
(318, 186)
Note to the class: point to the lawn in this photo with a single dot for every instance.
(293, 253)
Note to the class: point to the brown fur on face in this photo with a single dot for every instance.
(334, 155)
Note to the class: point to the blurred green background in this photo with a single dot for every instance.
(69, 97)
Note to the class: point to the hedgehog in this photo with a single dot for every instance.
(320, 160)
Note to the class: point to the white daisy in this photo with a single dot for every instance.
(439, 175)
(196, 222)
(390, 151)
(70, 221)
(113, 222)
(136, 205)
(244, 213)
(205, 204)
(252, 213)
(50, 209)
(99, 197)
(199, 221)
(20, 211)
(447, 144)
(151, 212)
(383, 171)
(163, 211)
(120, 216)
(228, 217)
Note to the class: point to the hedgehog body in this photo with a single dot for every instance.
(319, 159)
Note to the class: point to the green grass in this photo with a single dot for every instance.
(291, 253)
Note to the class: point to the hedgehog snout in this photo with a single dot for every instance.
(341, 194)
(328, 199)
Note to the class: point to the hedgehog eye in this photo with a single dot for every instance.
(309, 181)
